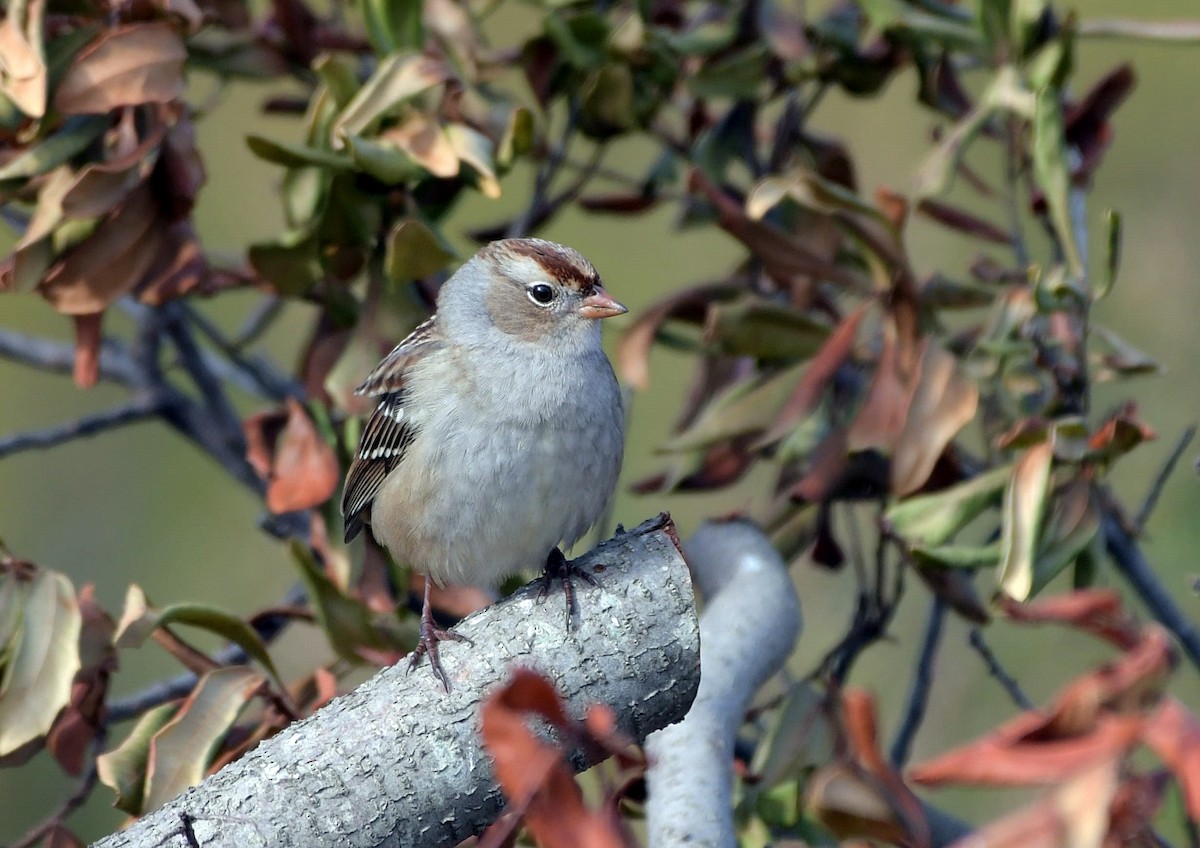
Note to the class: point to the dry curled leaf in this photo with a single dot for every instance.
(125, 66)
(305, 470)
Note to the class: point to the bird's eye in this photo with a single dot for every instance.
(540, 293)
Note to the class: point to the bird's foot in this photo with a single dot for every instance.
(430, 636)
(558, 567)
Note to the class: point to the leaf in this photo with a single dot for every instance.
(22, 56)
(139, 620)
(764, 330)
(72, 138)
(346, 621)
(88, 337)
(1112, 253)
(798, 737)
(931, 520)
(393, 25)
(305, 472)
(821, 369)
(945, 400)
(1122, 359)
(111, 262)
(292, 155)
(1173, 732)
(1072, 525)
(633, 350)
(957, 556)
(534, 775)
(476, 150)
(414, 251)
(126, 66)
(1024, 506)
(181, 750)
(1052, 172)
(123, 769)
(747, 406)
(962, 221)
(43, 656)
(423, 141)
(399, 78)
(738, 75)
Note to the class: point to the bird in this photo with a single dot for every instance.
(497, 433)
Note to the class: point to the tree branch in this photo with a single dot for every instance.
(750, 624)
(1130, 561)
(138, 409)
(997, 671)
(59, 358)
(398, 762)
(918, 696)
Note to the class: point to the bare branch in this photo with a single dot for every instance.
(399, 762)
(750, 625)
(1131, 562)
(59, 358)
(1151, 499)
(996, 670)
(918, 696)
(136, 410)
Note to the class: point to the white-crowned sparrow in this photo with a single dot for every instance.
(499, 430)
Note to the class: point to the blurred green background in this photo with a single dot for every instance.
(139, 505)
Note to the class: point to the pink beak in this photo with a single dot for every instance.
(600, 304)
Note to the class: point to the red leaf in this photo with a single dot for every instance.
(1096, 611)
(533, 774)
(1174, 734)
(88, 336)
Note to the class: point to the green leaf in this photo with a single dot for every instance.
(123, 769)
(931, 520)
(798, 737)
(765, 330)
(1053, 174)
(12, 614)
(296, 155)
(908, 19)
(747, 406)
(704, 39)
(140, 619)
(1073, 523)
(518, 137)
(393, 24)
(606, 102)
(73, 137)
(581, 39)
(340, 78)
(383, 160)
(399, 78)
(290, 263)
(1024, 507)
(476, 150)
(181, 751)
(413, 251)
(346, 621)
(43, 657)
(1051, 66)
(1112, 253)
(739, 75)
(957, 556)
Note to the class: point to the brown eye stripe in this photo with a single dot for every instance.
(560, 265)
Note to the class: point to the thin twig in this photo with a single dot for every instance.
(268, 381)
(922, 683)
(1151, 499)
(545, 175)
(83, 791)
(258, 321)
(59, 358)
(138, 409)
(996, 670)
(1132, 563)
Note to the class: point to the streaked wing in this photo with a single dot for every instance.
(388, 375)
(388, 432)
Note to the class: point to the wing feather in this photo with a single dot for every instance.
(389, 430)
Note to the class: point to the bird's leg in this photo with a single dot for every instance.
(431, 634)
(558, 567)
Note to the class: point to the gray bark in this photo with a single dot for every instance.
(750, 624)
(398, 762)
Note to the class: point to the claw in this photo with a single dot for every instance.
(558, 567)
(431, 635)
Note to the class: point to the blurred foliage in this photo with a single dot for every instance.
(955, 407)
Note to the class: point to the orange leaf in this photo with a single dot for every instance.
(880, 419)
(533, 774)
(305, 473)
(633, 350)
(87, 349)
(1096, 611)
(1174, 734)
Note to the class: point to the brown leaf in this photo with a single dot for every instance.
(893, 205)
(59, 836)
(1173, 733)
(305, 471)
(180, 167)
(691, 304)
(77, 726)
(785, 257)
(424, 141)
(1086, 124)
(109, 263)
(618, 203)
(23, 69)
(880, 419)
(88, 336)
(262, 433)
(821, 368)
(1096, 611)
(826, 464)
(124, 66)
(533, 774)
(101, 186)
(1121, 433)
(944, 401)
(179, 268)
